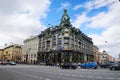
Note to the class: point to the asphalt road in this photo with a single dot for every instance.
(33, 72)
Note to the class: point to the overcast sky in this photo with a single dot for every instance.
(99, 19)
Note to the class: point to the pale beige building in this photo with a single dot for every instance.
(1, 54)
(105, 56)
(30, 49)
(96, 53)
(13, 53)
(110, 58)
(118, 59)
(100, 58)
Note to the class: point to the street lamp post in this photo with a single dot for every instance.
(70, 57)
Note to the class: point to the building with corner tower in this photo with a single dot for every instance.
(64, 43)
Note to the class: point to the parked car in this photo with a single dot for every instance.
(115, 66)
(83, 65)
(103, 65)
(4, 62)
(79, 64)
(69, 65)
(106, 64)
(93, 65)
(12, 63)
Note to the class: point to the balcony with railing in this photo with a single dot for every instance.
(59, 48)
(66, 41)
(59, 42)
(54, 37)
(66, 35)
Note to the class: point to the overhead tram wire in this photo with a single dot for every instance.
(90, 6)
(93, 6)
(79, 11)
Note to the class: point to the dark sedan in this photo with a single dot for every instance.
(106, 64)
(68, 66)
(115, 66)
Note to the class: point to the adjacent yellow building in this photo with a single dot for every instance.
(13, 53)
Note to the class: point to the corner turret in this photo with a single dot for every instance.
(65, 18)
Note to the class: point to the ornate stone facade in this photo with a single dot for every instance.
(64, 43)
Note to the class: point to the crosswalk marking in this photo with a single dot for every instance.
(15, 66)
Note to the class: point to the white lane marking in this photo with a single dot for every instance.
(16, 66)
(47, 72)
(81, 76)
(54, 73)
(70, 75)
(27, 74)
(40, 78)
(61, 74)
(109, 78)
(89, 76)
(67, 74)
(74, 75)
(111, 73)
(103, 73)
(31, 75)
(99, 77)
(35, 77)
